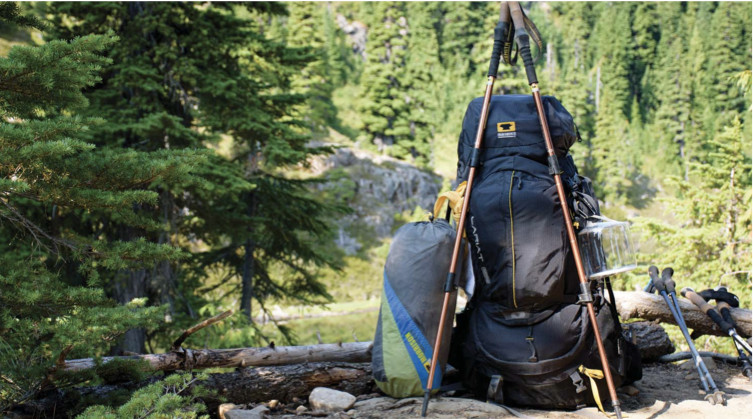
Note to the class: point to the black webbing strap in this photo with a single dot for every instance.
(612, 303)
(509, 41)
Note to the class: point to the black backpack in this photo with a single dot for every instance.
(523, 338)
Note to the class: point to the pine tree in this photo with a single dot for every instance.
(383, 76)
(181, 75)
(672, 117)
(50, 174)
(614, 146)
(305, 30)
(420, 88)
(710, 243)
(462, 27)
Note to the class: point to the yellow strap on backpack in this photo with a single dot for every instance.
(598, 375)
(455, 199)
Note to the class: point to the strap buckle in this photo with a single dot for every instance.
(494, 391)
(578, 382)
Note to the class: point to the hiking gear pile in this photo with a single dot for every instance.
(535, 332)
(524, 338)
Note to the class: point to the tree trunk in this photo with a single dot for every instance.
(247, 280)
(247, 277)
(186, 359)
(129, 285)
(642, 305)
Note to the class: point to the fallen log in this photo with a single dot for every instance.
(246, 385)
(284, 383)
(642, 305)
(189, 359)
(651, 339)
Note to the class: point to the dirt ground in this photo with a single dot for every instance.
(666, 391)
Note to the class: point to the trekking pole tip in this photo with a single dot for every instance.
(426, 403)
(617, 411)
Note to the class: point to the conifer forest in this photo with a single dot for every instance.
(161, 163)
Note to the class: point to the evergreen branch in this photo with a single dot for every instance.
(186, 385)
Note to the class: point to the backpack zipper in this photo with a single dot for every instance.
(512, 238)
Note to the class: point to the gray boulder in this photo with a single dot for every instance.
(324, 399)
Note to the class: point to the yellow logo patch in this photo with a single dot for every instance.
(506, 126)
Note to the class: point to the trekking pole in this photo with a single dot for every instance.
(711, 312)
(724, 310)
(654, 273)
(666, 287)
(500, 34)
(724, 301)
(586, 297)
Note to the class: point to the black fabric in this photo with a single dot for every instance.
(517, 227)
(564, 341)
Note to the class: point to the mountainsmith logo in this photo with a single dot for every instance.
(506, 130)
(417, 349)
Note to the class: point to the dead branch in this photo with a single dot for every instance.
(195, 328)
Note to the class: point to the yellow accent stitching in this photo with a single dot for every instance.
(512, 236)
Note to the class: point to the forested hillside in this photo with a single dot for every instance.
(160, 162)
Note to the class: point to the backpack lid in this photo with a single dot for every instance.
(513, 129)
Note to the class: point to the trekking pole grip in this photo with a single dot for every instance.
(666, 276)
(707, 308)
(499, 38)
(522, 38)
(725, 310)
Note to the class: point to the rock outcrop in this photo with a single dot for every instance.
(376, 188)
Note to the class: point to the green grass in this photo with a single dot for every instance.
(331, 329)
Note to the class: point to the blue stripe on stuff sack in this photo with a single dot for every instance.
(416, 344)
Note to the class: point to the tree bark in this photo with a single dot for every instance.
(186, 359)
(651, 339)
(130, 284)
(642, 305)
(283, 383)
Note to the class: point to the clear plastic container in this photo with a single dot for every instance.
(605, 248)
